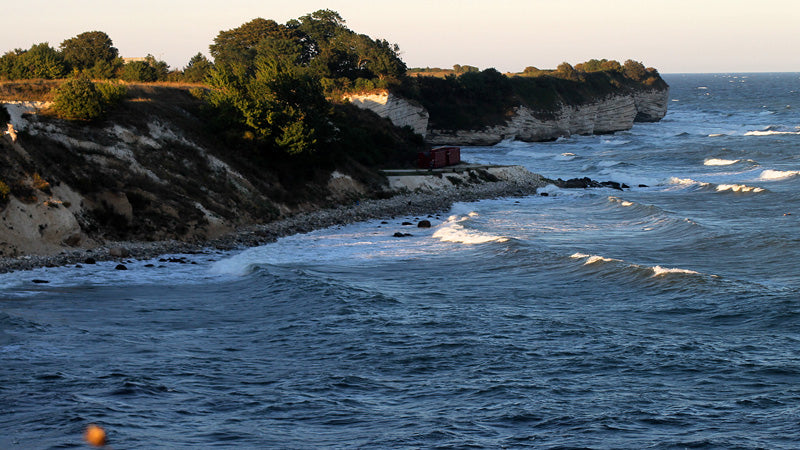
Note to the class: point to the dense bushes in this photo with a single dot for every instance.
(138, 71)
(272, 78)
(80, 99)
(40, 61)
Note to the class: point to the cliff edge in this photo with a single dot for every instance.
(497, 108)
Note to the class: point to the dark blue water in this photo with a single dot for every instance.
(664, 316)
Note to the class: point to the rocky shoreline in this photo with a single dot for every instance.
(404, 204)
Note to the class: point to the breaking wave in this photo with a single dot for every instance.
(738, 188)
(720, 162)
(703, 186)
(453, 231)
(773, 130)
(770, 175)
(636, 269)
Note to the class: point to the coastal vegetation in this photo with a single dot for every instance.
(471, 99)
(278, 86)
(251, 133)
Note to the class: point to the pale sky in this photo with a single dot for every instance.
(673, 36)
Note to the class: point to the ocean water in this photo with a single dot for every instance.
(662, 316)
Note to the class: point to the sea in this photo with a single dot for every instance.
(665, 315)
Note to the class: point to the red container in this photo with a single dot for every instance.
(439, 157)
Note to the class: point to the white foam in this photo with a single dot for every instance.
(778, 174)
(717, 135)
(686, 182)
(592, 259)
(621, 202)
(615, 142)
(565, 157)
(770, 133)
(738, 188)
(720, 162)
(659, 271)
(453, 231)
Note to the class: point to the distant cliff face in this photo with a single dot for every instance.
(400, 111)
(613, 113)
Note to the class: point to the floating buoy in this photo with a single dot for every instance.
(95, 435)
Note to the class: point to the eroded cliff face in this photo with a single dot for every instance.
(67, 185)
(400, 111)
(613, 113)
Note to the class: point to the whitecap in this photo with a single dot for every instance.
(770, 133)
(720, 162)
(686, 182)
(455, 232)
(778, 174)
(738, 188)
(615, 142)
(661, 271)
(717, 135)
(592, 259)
(621, 202)
(565, 157)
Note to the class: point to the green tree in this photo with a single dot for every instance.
(91, 51)
(197, 69)
(281, 104)
(77, 99)
(11, 65)
(566, 71)
(138, 71)
(612, 65)
(42, 61)
(161, 68)
(634, 70)
(237, 46)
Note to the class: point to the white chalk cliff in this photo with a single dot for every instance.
(400, 111)
(614, 113)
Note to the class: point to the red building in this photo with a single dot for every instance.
(439, 157)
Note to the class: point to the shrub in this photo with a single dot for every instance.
(139, 71)
(77, 99)
(80, 99)
(4, 191)
(110, 92)
(40, 183)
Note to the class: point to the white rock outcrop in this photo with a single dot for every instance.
(613, 113)
(400, 111)
(458, 177)
(38, 228)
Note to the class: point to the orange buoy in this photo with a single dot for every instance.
(95, 435)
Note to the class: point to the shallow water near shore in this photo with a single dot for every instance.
(662, 316)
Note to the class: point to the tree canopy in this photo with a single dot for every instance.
(198, 68)
(40, 61)
(92, 51)
(271, 75)
(319, 43)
